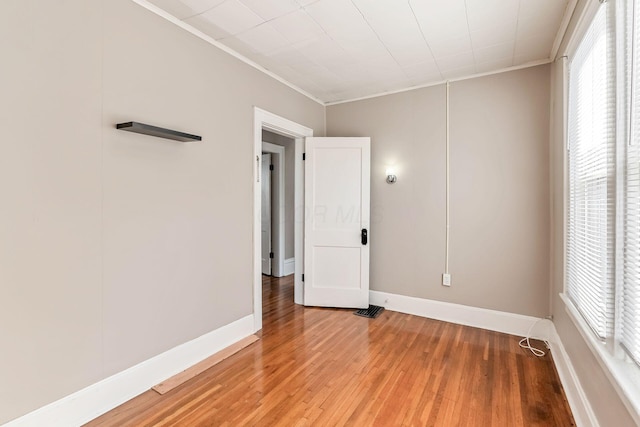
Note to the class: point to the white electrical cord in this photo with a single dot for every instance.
(447, 186)
(526, 343)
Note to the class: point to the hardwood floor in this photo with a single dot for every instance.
(327, 367)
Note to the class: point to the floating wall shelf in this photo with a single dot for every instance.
(157, 131)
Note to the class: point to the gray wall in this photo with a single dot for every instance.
(499, 190)
(607, 405)
(289, 188)
(115, 247)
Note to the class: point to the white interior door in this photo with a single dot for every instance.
(265, 178)
(336, 249)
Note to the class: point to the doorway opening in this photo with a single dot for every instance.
(274, 124)
(277, 186)
(266, 214)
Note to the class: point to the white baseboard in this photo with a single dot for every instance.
(499, 321)
(93, 401)
(509, 323)
(289, 266)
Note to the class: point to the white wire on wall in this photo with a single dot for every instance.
(446, 255)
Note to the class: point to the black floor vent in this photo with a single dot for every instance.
(372, 312)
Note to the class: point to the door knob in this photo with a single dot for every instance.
(363, 236)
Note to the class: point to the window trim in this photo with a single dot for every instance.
(587, 14)
(623, 375)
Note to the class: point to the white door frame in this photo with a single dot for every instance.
(277, 207)
(276, 124)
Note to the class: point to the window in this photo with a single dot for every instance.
(603, 230)
(591, 143)
(629, 302)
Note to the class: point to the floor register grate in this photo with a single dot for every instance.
(372, 312)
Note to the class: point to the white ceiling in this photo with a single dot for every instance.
(346, 49)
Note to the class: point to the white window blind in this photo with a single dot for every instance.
(591, 143)
(629, 323)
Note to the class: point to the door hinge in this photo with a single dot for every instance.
(270, 254)
(270, 167)
(304, 156)
(303, 277)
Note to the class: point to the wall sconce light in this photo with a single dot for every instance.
(391, 176)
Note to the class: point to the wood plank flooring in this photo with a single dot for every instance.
(327, 367)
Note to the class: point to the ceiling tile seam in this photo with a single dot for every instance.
(248, 10)
(473, 50)
(243, 32)
(324, 68)
(324, 30)
(205, 11)
(313, 60)
(308, 4)
(303, 9)
(381, 41)
(278, 14)
(443, 81)
(425, 38)
(264, 21)
(515, 36)
(201, 35)
(300, 9)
